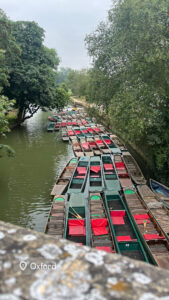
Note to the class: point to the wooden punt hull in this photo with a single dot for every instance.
(122, 172)
(101, 238)
(133, 168)
(63, 180)
(126, 237)
(158, 211)
(107, 140)
(161, 191)
(55, 225)
(148, 228)
(51, 127)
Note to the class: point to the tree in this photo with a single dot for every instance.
(130, 53)
(33, 75)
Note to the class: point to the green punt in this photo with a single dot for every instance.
(95, 175)
(77, 220)
(109, 174)
(78, 180)
(51, 126)
(126, 237)
(108, 141)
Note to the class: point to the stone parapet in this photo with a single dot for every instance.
(36, 266)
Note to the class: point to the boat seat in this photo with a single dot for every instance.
(77, 227)
(81, 170)
(117, 213)
(108, 167)
(141, 217)
(139, 222)
(117, 220)
(99, 226)
(108, 142)
(80, 176)
(124, 238)
(154, 236)
(120, 165)
(106, 249)
(95, 169)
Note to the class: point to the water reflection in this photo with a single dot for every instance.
(26, 180)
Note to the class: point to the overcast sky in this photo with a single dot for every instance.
(66, 23)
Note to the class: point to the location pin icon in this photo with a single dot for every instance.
(23, 265)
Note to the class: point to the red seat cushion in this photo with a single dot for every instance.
(70, 133)
(120, 165)
(108, 167)
(153, 236)
(99, 230)
(117, 220)
(96, 129)
(84, 131)
(108, 142)
(85, 146)
(98, 222)
(76, 222)
(117, 213)
(77, 131)
(124, 238)
(95, 169)
(138, 217)
(77, 230)
(99, 142)
(141, 221)
(90, 129)
(81, 170)
(106, 249)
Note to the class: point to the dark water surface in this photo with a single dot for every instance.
(26, 181)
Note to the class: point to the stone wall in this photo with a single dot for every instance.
(36, 266)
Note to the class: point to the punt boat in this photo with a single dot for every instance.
(110, 144)
(109, 174)
(133, 168)
(62, 182)
(51, 126)
(55, 225)
(102, 147)
(94, 148)
(122, 172)
(161, 191)
(79, 177)
(95, 175)
(76, 225)
(87, 149)
(101, 235)
(149, 228)
(78, 152)
(126, 237)
(159, 212)
(117, 142)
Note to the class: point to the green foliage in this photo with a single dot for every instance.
(77, 81)
(130, 53)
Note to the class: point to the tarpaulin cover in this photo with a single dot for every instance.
(117, 213)
(77, 131)
(107, 249)
(98, 222)
(142, 221)
(108, 142)
(99, 230)
(120, 165)
(124, 238)
(85, 146)
(81, 170)
(153, 236)
(117, 220)
(76, 222)
(99, 142)
(108, 167)
(84, 131)
(77, 230)
(138, 217)
(95, 169)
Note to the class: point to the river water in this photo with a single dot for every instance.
(26, 180)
